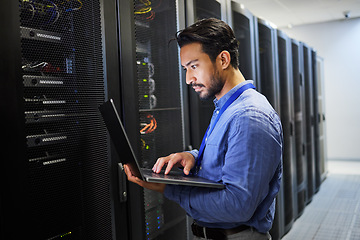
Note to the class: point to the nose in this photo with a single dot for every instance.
(190, 79)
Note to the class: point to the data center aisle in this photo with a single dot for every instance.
(334, 212)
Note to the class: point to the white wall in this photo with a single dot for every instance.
(339, 44)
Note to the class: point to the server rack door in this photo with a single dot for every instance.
(309, 121)
(268, 63)
(152, 108)
(316, 115)
(299, 126)
(242, 22)
(257, 53)
(13, 168)
(118, 187)
(199, 9)
(287, 119)
(60, 140)
(322, 119)
(269, 83)
(127, 102)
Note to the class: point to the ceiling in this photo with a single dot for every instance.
(289, 13)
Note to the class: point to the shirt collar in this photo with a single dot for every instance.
(219, 103)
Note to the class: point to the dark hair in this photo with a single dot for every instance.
(214, 35)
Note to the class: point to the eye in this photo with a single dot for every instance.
(193, 66)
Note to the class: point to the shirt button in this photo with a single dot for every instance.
(217, 112)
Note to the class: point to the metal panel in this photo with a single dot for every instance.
(309, 121)
(322, 118)
(269, 82)
(299, 125)
(288, 122)
(241, 21)
(317, 170)
(62, 142)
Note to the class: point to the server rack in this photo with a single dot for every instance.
(269, 86)
(322, 119)
(288, 123)
(56, 180)
(200, 9)
(257, 53)
(309, 121)
(201, 111)
(13, 170)
(317, 170)
(241, 21)
(299, 107)
(152, 103)
(269, 82)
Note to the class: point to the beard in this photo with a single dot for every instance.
(216, 85)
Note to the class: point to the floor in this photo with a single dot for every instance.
(334, 212)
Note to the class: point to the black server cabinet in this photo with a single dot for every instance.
(200, 9)
(317, 169)
(55, 180)
(201, 111)
(269, 87)
(309, 120)
(268, 64)
(322, 119)
(288, 123)
(241, 21)
(299, 108)
(152, 108)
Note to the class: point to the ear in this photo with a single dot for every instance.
(225, 59)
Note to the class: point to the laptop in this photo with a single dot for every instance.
(127, 156)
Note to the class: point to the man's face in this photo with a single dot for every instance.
(201, 73)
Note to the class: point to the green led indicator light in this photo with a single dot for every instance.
(64, 235)
(146, 96)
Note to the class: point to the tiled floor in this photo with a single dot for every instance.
(334, 212)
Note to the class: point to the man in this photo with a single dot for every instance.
(242, 147)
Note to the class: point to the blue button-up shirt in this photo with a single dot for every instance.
(244, 152)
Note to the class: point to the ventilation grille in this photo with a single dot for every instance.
(161, 125)
(66, 140)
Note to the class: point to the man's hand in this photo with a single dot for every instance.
(159, 187)
(182, 159)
